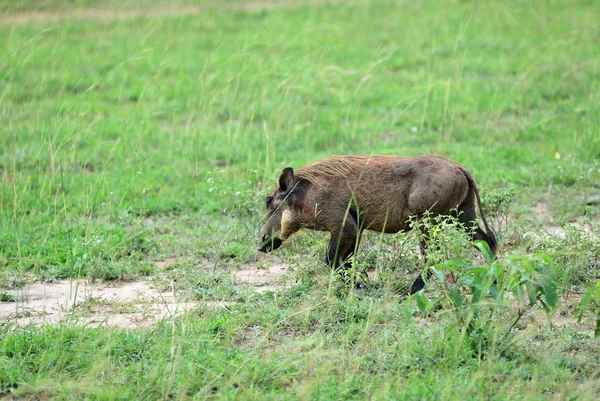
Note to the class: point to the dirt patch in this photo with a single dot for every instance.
(114, 14)
(162, 264)
(96, 13)
(564, 317)
(124, 304)
(272, 277)
(552, 227)
(542, 212)
(128, 304)
(559, 231)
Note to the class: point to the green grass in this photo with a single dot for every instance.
(124, 141)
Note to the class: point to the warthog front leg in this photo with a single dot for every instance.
(342, 246)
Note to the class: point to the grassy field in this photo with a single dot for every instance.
(137, 136)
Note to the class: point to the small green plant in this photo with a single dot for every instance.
(445, 238)
(495, 204)
(478, 295)
(6, 297)
(90, 305)
(591, 303)
(576, 251)
(214, 285)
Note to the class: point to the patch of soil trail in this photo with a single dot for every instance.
(272, 278)
(563, 317)
(125, 304)
(96, 13)
(552, 227)
(541, 211)
(174, 11)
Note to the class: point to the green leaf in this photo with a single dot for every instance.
(499, 270)
(585, 300)
(495, 293)
(452, 265)
(545, 258)
(549, 291)
(468, 281)
(477, 294)
(547, 309)
(456, 298)
(531, 292)
(422, 301)
(519, 293)
(440, 275)
(457, 262)
(564, 277)
(479, 270)
(485, 250)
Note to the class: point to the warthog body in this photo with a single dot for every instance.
(345, 195)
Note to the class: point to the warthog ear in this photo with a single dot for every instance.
(286, 179)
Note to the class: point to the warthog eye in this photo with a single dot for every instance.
(269, 200)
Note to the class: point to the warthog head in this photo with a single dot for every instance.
(281, 220)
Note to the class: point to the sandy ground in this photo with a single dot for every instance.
(272, 278)
(552, 227)
(174, 11)
(123, 304)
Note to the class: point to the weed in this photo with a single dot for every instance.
(577, 251)
(496, 204)
(591, 302)
(5, 297)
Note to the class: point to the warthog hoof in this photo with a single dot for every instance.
(417, 285)
(268, 244)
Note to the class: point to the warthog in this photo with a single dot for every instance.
(345, 195)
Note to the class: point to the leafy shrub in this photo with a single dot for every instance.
(495, 205)
(577, 252)
(479, 295)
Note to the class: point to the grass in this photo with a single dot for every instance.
(126, 141)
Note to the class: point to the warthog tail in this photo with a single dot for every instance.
(472, 185)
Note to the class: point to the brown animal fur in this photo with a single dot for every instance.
(345, 195)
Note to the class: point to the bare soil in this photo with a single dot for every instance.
(271, 278)
(123, 304)
(175, 11)
(128, 304)
(564, 317)
(552, 227)
(96, 13)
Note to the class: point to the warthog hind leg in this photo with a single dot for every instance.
(419, 283)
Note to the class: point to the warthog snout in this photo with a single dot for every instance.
(269, 243)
